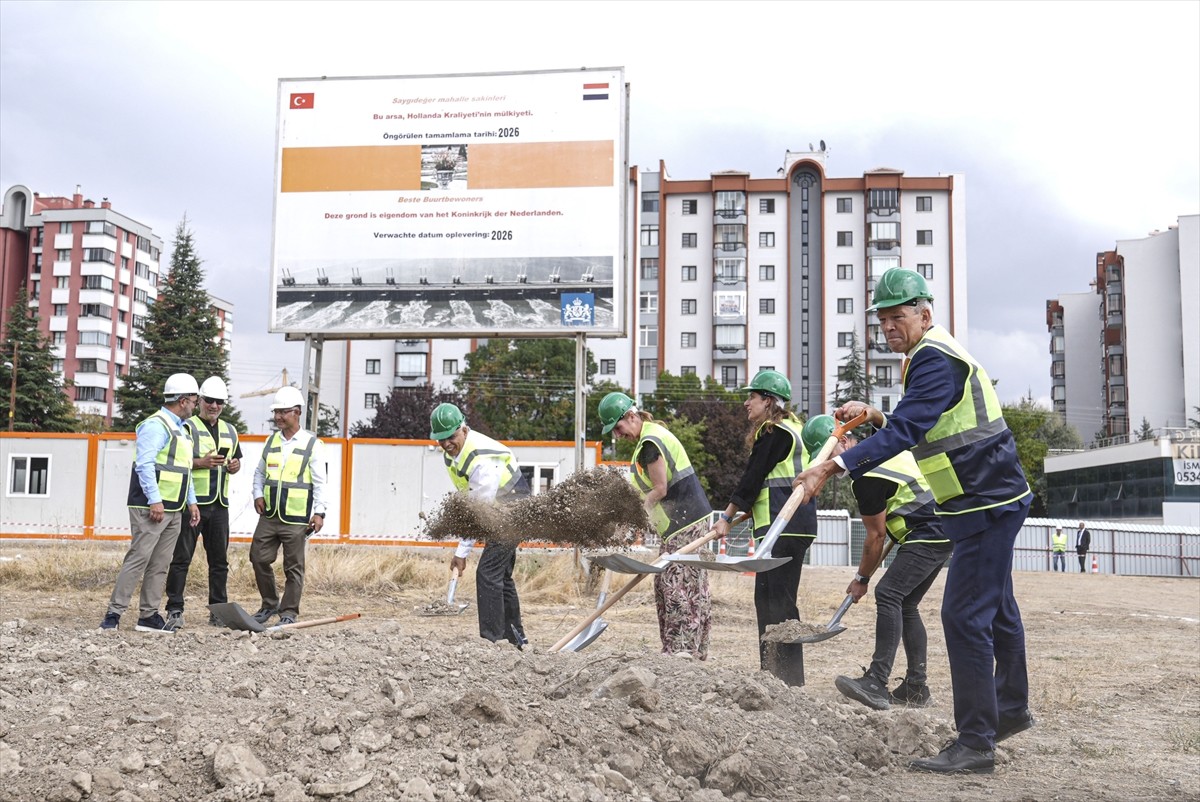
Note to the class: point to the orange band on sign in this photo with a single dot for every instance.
(540, 165)
(391, 167)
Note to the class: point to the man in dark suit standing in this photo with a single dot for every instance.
(1083, 541)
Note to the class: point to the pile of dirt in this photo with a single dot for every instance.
(791, 630)
(593, 509)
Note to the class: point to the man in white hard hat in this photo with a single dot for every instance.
(160, 484)
(218, 454)
(289, 486)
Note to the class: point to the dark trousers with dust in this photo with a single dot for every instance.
(269, 536)
(897, 616)
(214, 532)
(985, 638)
(496, 595)
(775, 602)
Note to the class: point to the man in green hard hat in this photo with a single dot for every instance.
(951, 420)
(486, 470)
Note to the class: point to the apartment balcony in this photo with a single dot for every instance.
(883, 247)
(1114, 320)
(729, 217)
(412, 346)
(728, 280)
(729, 353)
(729, 250)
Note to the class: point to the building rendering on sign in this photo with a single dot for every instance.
(732, 274)
(92, 275)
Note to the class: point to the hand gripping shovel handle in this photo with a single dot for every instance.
(690, 548)
(797, 497)
(849, 600)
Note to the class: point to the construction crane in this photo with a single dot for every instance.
(271, 390)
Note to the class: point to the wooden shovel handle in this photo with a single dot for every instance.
(318, 621)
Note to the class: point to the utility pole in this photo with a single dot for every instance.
(12, 390)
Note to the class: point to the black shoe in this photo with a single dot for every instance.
(1011, 726)
(154, 623)
(957, 759)
(868, 690)
(286, 619)
(265, 614)
(912, 695)
(111, 621)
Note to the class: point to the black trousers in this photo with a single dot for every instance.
(214, 530)
(496, 595)
(775, 602)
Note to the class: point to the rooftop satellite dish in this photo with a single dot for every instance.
(822, 145)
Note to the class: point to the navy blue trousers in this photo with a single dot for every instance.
(985, 639)
(496, 599)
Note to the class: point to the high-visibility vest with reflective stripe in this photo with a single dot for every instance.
(910, 515)
(479, 447)
(969, 457)
(288, 489)
(777, 488)
(1058, 542)
(212, 484)
(172, 467)
(685, 502)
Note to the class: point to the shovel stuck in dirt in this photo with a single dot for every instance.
(233, 616)
(597, 627)
(448, 607)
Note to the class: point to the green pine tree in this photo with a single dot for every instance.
(41, 403)
(852, 383)
(182, 336)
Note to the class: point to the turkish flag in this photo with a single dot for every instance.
(302, 100)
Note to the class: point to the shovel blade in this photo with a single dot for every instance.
(233, 616)
(727, 563)
(585, 638)
(624, 564)
(820, 636)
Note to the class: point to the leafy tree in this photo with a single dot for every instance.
(853, 383)
(1146, 432)
(41, 403)
(691, 437)
(182, 336)
(724, 438)
(404, 414)
(1038, 430)
(90, 423)
(1194, 423)
(329, 421)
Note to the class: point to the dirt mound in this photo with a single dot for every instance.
(593, 509)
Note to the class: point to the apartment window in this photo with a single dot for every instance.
(729, 376)
(99, 255)
(687, 306)
(689, 206)
(58, 365)
(845, 271)
(687, 273)
(924, 203)
(37, 263)
(731, 271)
(90, 393)
(62, 255)
(93, 338)
(883, 200)
(1117, 394)
(124, 262)
(885, 404)
(38, 235)
(689, 241)
(60, 310)
(58, 338)
(647, 369)
(93, 366)
(139, 347)
(731, 203)
(370, 400)
(608, 367)
(121, 315)
(730, 337)
(649, 235)
(1058, 369)
(95, 310)
(96, 283)
(649, 201)
(1116, 365)
(410, 366)
(35, 290)
(845, 205)
(766, 239)
(141, 270)
(449, 367)
(139, 321)
(766, 206)
(64, 282)
(141, 296)
(845, 306)
(374, 367)
(648, 336)
(845, 238)
(766, 339)
(766, 306)
(925, 237)
(649, 270)
(766, 272)
(687, 370)
(30, 475)
(884, 232)
(845, 339)
(64, 228)
(883, 375)
(648, 302)
(687, 339)
(926, 271)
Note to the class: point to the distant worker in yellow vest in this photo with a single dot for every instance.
(486, 470)
(951, 419)
(160, 485)
(289, 488)
(1058, 548)
(218, 455)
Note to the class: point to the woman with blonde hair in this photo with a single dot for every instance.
(679, 509)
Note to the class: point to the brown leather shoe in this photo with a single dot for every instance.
(957, 759)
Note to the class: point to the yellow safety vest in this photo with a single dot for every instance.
(172, 467)
(685, 502)
(911, 504)
(212, 484)
(287, 491)
(1058, 542)
(953, 456)
(777, 487)
(479, 446)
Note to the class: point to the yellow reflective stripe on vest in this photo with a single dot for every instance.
(782, 474)
(911, 494)
(679, 467)
(480, 446)
(212, 484)
(287, 491)
(172, 464)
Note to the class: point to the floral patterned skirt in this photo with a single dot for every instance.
(683, 599)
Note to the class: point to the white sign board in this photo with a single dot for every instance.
(1185, 464)
(451, 205)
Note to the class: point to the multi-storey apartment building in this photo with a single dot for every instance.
(92, 274)
(731, 274)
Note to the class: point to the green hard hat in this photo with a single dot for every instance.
(771, 381)
(899, 286)
(816, 432)
(612, 408)
(445, 421)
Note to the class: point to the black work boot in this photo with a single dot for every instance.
(868, 690)
(909, 694)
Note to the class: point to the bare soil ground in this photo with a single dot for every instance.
(401, 706)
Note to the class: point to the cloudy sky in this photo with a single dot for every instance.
(1076, 124)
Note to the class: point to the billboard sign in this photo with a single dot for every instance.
(451, 205)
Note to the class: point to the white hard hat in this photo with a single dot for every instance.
(214, 387)
(286, 398)
(180, 384)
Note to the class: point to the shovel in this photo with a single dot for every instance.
(585, 638)
(450, 607)
(233, 616)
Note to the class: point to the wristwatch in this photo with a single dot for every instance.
(860, 578)
(726, 518)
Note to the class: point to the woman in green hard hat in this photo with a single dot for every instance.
(776, 456)
(678, 507)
